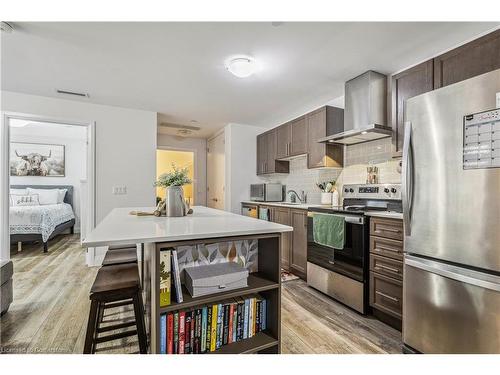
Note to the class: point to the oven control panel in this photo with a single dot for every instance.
(374, 191)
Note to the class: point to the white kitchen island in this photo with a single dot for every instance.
(204, 226)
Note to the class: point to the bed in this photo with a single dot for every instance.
(41, 223)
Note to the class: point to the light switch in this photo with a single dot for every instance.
(119, 190)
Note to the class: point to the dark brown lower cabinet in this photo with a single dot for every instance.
(298, 261)
(281, 215)
(386, 270)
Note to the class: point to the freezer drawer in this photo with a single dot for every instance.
(449, 309)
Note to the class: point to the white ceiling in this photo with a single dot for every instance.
(177, 69)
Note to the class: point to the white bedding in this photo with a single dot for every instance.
(39, 219)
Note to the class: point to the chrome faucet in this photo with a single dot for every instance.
(302, 197)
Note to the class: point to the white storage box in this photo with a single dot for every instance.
(215, 278)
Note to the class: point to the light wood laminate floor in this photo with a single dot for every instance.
(50, 309)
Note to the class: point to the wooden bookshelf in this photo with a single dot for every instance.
(256, 284)
(266, 282)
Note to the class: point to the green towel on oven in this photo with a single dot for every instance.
(329, 230)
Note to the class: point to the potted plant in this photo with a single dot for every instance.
(174, 195)
(327, 188)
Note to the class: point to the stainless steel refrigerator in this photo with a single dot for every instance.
(451, 209)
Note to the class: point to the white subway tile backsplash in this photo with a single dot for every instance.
(356, 159)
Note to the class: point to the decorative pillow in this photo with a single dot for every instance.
(62, 194)
(45, 196)
(24, 200)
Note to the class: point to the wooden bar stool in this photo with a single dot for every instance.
(115, 286)
(120, 255)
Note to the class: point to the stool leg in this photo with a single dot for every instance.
(139, 320)
(100, 317)
(91, 326)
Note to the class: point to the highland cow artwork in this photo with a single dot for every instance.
(36, 159)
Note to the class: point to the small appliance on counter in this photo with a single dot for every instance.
(266, 192)
(338, 260)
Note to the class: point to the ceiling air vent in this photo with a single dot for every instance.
(74, 93)
(6, 27)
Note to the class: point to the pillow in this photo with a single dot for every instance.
(62, 194)
(45, 196)
(19, 191)
(24, 200)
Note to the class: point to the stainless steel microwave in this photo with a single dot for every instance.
(266, 192)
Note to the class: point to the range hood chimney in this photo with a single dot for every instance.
(365, 113)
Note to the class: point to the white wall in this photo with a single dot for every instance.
(125, 145)
(241, 163)
(74, 139)
(199, 146)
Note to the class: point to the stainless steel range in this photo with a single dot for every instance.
(343, 272)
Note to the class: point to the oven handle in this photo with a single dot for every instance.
(359, 220)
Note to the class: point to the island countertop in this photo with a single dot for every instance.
(121, 228)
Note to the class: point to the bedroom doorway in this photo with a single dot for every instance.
(166, 159)
(48, 183)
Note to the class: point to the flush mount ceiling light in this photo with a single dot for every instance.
(242, 67)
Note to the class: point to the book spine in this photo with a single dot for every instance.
(220, 326)
(251, 318)
(170, 333)
(165, 282)
(230, 333)
(204, 320)
(235, 320)
(209, 327)
(240, 311)
(163, 334)
(254, 325)
(176, 277)
(213, 333)
(259, 316)
(191, 336)
(245, 319)
(198, 331)
(264, 314)
(225, 324)
(187, 334)
(176, 332)
(182, 331)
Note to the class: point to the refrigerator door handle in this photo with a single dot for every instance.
(449, 271)
(407, 176)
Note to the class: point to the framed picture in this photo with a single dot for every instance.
(36, 159)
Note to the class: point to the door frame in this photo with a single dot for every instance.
(195, 166)
(221, 133)
(5, 175)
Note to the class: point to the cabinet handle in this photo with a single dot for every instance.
(381, 266)
(394, 299)
(386, 249)
(390, 230)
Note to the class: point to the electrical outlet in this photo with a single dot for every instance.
(119, 190)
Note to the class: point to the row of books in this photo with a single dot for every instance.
(207, 328)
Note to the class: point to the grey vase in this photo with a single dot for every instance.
(176, 206)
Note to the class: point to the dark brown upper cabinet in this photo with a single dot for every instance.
(283, 137)
(474, 58)
(320, 123)
(292, 138)
(407, 84)
(266, 155)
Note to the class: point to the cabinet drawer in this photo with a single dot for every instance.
(386, 294)
(388, 228)
(386, 266)
(386, 247)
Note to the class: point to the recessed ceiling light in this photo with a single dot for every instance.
(242, 67)
(364, 132)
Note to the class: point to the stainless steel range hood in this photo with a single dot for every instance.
(365, 113)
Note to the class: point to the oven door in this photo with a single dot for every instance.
(351, 261)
